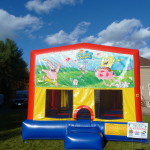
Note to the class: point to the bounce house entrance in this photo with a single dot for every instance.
(83, 114)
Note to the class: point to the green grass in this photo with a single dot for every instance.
(10, 136)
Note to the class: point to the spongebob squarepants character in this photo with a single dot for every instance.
(105, 72)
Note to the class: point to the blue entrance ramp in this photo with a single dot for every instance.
(83, 138)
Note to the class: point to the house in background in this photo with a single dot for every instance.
(145, 81)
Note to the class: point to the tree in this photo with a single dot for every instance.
(13, 69)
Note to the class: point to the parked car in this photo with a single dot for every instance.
(21, 99)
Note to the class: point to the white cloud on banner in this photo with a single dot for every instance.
(62, 37)
(10, 24)
(48, 5)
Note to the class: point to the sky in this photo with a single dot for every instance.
(40, 24)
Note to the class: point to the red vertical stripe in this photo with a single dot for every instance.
(53, 99)
(137, 87)
(31, 87)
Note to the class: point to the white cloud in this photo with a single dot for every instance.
(67, 38)
(10, 24)
(128, 33)
(48, 5)
(117, 34)
(145, 52)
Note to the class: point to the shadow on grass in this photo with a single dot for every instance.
(11, 120)
(10, 134)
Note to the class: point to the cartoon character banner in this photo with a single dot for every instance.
(84, 68)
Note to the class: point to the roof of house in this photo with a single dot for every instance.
(144, 61)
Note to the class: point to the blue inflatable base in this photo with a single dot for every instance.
(84, 138)
(81, 134)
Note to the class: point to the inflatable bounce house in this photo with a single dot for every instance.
(85, 94)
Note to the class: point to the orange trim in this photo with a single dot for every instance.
(137, 87)
(31, 87)
(83, 106)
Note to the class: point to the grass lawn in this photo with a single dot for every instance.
(10, 135)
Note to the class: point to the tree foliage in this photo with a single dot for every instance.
(13, 69)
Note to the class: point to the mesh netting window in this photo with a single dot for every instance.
(108, 104)
(59, 103)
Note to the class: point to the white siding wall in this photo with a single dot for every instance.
(145, 84)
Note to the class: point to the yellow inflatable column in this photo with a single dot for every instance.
(83, 97)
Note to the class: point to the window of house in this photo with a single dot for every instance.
(108, 104)
(59, 103)
(149, 89)
(141, 90)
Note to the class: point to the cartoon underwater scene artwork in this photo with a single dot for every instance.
(84, 68)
